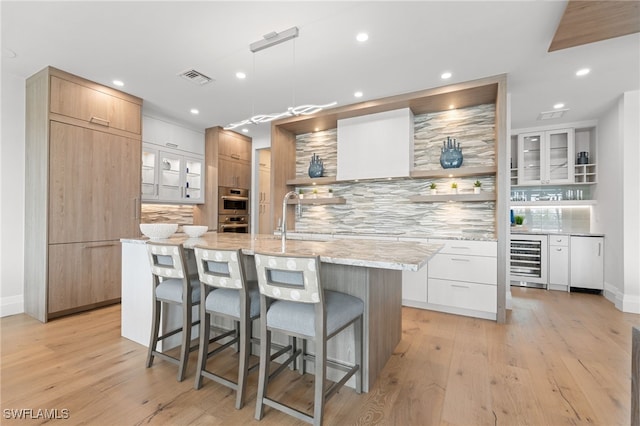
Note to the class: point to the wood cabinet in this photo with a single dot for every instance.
(82, 193)
(587, 262)
(234, 146)
(264, 192)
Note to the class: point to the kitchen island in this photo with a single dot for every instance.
(370, 270)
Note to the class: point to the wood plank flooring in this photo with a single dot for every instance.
(561, 359)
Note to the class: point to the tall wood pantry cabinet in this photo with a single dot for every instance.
(83, 162)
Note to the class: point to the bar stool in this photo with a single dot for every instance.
(172, 284)
(301, 308)
(225, 293)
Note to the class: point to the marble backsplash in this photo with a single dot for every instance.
(565, 220)
(383, 206)
(167, 213)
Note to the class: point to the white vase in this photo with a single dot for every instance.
(433, 191)
(476, 189)
(454, 190)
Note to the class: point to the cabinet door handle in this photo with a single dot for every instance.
(459, 286)
(455, 259)
(100, 121)
(558, 249)
(100, 245)
(171, 145)
(235, 156)
(135, 208)
(599, 248)
(157, 189)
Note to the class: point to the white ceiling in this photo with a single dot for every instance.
(146, 44)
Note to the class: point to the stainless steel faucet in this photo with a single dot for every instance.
(288, 195)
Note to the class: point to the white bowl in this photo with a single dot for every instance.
(158, 231)
(194, 231)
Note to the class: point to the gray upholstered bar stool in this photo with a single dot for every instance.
(225, 293)
(172, 284)
(300, 308)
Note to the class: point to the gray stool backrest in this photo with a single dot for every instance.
(167, 260)
(220, 268)
(292, 278)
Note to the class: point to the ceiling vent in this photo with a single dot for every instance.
(548, 115)
(195, 77)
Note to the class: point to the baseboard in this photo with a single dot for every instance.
(631, 304)
(11, 305)
(623, 302)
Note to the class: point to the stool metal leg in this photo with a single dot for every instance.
(203, 349)
(263, 375)
(155, 329)
(186, 340)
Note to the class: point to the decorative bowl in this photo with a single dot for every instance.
(158, 231)
(194, 231)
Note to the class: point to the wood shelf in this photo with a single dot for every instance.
(325, 180)
(439, 198)
(459, 172)
(319, 200)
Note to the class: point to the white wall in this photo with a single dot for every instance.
(616, 214)
(631, 200)
(12, 158)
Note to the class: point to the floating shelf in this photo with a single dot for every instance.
(327, 180)
(439, 198)
(556, 203)
(319, 200)
(459, 172)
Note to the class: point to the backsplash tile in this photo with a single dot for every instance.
(167, 213)
(383, 207)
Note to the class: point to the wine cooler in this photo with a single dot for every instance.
(529, 260)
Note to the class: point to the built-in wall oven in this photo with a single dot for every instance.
(233, 210)
(529, 260)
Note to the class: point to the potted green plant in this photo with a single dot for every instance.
(330, 193)
(454, 188)
(519, 220)
(476, 187)
(432, 188)
(315, 193)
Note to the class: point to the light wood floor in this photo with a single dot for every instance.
(560, 359)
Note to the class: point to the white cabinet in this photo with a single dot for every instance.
(460, 279)
(558, 262)
(587, 262)
(546, 157)
(172, 136)
(170, 177)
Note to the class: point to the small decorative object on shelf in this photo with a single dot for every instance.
(330, 193)
(454, 188)
(583, 158)
(315, 193)
(519, 220)
(316, 168)
(451, 154)
(433, 189)
(476, 187)
(301, 193)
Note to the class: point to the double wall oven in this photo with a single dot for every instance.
(233, 210)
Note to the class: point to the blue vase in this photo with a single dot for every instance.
(451, 154)
(315, 170)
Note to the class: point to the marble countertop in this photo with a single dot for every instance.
(573, 234)
(399, 255)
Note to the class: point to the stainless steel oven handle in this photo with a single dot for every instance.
(234, 198)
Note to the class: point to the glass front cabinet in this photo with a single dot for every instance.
(546, 157)
(171, 177)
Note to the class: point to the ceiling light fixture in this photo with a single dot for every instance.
(583, 72)
(245, 130)
(241, 75)
(558, 105)
(194, 111)
(445, 75)
(358, 94)
(118, 83)
(269, 40)
(362, 37)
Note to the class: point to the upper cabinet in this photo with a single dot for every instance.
(234, 160)
(376, 145)
(546, 157)
(172, 163)
(93, 104)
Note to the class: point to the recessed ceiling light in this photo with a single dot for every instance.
(445, 75)
(241, 75)
(118, 83)
(583, 71)
(245, 130)
(362, 37)
(558, 105)
(358, 94)
(194, 111)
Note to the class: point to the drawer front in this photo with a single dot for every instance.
(472, 248)
(478, 297)
(559, 240)
(475, 269)
(84, 103)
